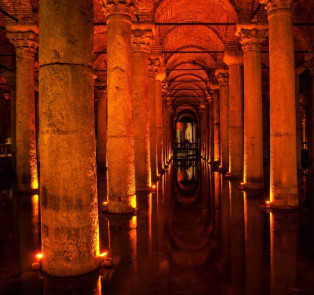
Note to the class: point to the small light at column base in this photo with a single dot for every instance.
(104, 254)
(154, 186)
(39, 256)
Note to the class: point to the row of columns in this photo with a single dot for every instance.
(241, 138)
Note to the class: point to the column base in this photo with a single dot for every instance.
(123, 205)
(252, 186)
(102, 167)
(233, 175)
(25, 189)
(143, 189)
(284, 201)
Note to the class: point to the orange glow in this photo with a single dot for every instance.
(39, 256)
(133, 202)
(154, 186)
(267, 203)
(35, 215)
(34, 183)
(133, 240)
(104, 254)
(105, 203)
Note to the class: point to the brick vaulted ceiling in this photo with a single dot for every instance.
(191, 51)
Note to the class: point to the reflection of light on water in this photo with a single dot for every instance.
(245, 214)
(133, 239)
(98, 287)
(34, 184)
(150, 212)
(35, 215)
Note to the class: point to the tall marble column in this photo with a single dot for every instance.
(101, 137)
(120, 134)
(25, 42)
(68, 182)
(141, 40)
(152, 118)
(283, 163)
(235, 60)
(161, 74)
(216, 126)
(223, 79)
(211, 130)
(10, 77)
(203, 129)
(251, 38)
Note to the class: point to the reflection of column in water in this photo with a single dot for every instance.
(89, 284)
(28, 228)
(236, 235)
(283, 255)
(217, 202)
(225, 224)
(253, 222)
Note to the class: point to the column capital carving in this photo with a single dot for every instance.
(233, 57)
(272, 5)
(222, 77)
(252, 36)
(114, 7)
(141, 40)
(25, 42)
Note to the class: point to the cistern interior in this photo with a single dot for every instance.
(156, 147)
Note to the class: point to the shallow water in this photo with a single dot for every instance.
(197, 234)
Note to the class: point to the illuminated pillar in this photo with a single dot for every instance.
(140, 48)
(10, 78)
(25, 43)
(68, 184)
(120, 136)
(222, 77)
(159, 122)
(251, 40)
(216, 126)
(203, 129)
(152, 118)
(211, 130)
(101, 148)
(235, 60)
(283, 163)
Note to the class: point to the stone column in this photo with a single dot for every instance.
(211, 129)
(25, 42)
(10, 77)
(216, 126)
(283, 163)
(120, 136)
(161, 74)
(251, 39)
(101, 138)
(141, 40)
(235, 60)
(222, 77)
(68, 183)
(203, 129)
(152, 118)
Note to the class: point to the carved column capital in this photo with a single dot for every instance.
(252, 37)
(25, 43)
(141, 40)
(272, 5)
(222, 77)
(112, 7)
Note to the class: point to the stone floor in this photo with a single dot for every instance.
(197, 234)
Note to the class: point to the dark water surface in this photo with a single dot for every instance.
(197, 234)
